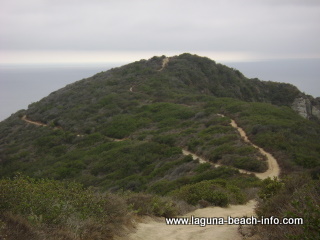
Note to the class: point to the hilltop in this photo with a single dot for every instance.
(162, 94)
(185, 74)
(129, 129)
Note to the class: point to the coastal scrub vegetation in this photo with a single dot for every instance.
(120, 136)
(296, 196)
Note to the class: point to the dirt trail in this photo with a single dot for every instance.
(24, 118)
(41, 124)
(202, 160)
(195, 157)
(158, 230)
(273, 167)
(165, 62)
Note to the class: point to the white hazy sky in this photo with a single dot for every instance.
(59, 31)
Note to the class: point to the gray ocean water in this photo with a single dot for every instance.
(21, 85)
(24, 84)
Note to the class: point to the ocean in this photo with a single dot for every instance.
(20, 85)
(24, 84)
(303, 73)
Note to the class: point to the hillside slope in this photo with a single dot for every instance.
(182, 75)
(174, 107)
(127, 131)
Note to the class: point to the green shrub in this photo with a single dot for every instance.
(49, 204)
(147, 204)
(219, 151)
(203, 167)
(296, 196)
(216, 192)
(165, 139)
(270, 187)
(162, 187)
(248, 163)
(123, 125)
(223, 139)
(219, 172)
(51, 200)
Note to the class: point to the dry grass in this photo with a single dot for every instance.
(15, 227)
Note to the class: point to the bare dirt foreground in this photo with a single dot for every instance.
(159, 230)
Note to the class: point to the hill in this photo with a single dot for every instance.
(183, 75)
(129, 128)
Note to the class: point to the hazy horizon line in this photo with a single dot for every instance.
(105, 57)
(93, 64)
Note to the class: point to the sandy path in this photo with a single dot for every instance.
(158, 230)
(273, 167)
(41, 124)
(165, 62)
(195, 157)
(24, 118)
(202, 160)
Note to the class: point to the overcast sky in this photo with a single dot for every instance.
(34, 31)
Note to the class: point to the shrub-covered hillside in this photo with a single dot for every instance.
(156, 112)
(82, 105)
(126, 131)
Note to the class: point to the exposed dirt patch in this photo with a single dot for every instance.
(158, 230)
(24, 118)
(165, 62)
(273, 167)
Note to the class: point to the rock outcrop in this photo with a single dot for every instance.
(316, 111)
(305, 108)
(302, 106)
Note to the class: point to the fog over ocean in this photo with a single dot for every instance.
(21, 85)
